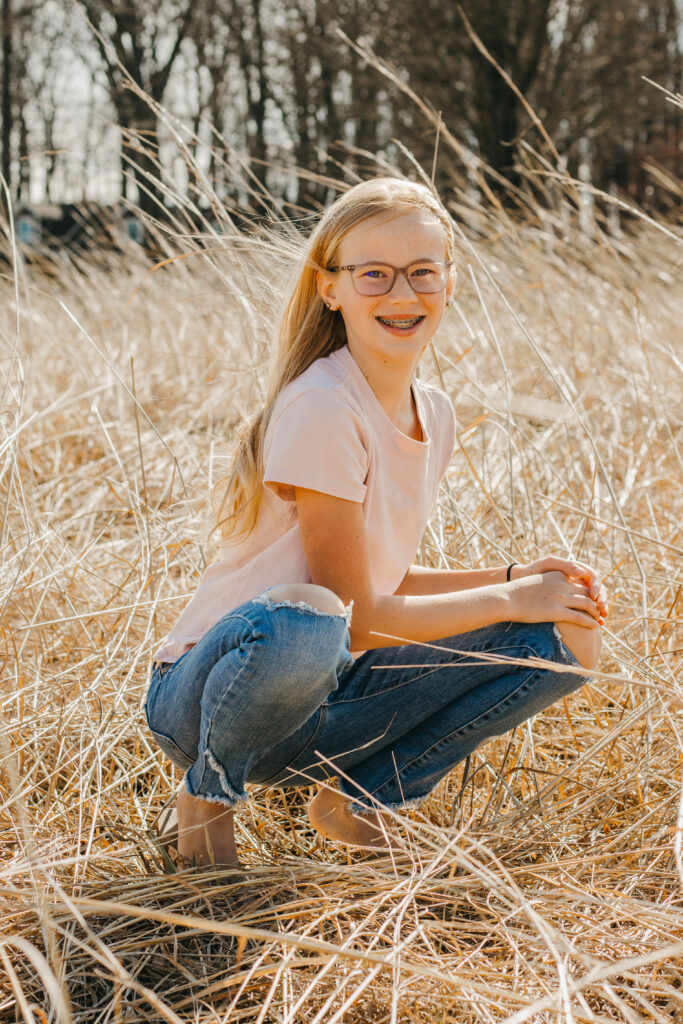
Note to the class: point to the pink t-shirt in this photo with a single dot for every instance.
(328, 432)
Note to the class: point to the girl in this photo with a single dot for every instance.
(303, 652)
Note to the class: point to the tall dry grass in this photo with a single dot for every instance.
(546, 884)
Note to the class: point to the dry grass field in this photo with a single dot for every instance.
(546, 885)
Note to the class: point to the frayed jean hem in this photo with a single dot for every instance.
(304, 606)
(379, 805)
(230, 797)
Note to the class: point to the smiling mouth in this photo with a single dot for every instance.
(400, 322)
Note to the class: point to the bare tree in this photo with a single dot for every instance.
(6, 90)
(131, 36)
(15, 29)
(279, 82)
(579, 64)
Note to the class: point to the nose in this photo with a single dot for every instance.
(402, 289)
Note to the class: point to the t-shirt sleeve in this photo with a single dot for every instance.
(442, 426)
(316, 441)
(449, 428)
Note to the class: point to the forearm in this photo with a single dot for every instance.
(394, 618)
(421, 580)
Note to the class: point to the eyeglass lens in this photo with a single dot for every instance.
(378, 279)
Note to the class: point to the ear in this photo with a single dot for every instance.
(327, 288)
(450, 283)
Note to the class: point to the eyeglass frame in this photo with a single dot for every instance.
(396, 270)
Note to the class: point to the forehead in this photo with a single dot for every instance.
(412, 235)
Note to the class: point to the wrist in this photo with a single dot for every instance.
(513, 571)
(507, 600)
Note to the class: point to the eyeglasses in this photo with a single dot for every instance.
(427, 276)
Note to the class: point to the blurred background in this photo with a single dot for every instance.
(268, 101)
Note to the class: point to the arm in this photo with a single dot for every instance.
(335, 545)
(422, 580)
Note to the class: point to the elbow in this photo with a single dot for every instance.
(361, 607)
(359, 638)
(363, 626)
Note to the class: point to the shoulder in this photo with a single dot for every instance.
(316, 438)
(438, 408)
(322, 391)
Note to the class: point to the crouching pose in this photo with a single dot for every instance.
(313, 649)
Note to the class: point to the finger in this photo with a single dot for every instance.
(580, 568)
(584, 572)
(577, 570)
(569, 565)
(595, 591)
(578, 588)
(578, 618)
(552, 563)
(580, 610)
(587, 605)
(589, 621)
(578, 593)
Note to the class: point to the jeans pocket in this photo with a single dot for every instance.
(167, 743)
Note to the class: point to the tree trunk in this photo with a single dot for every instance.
(499, 120)
(258, 106)
(6, 92)
(23, 185)
(141, 148)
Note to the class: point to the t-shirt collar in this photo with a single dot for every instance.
(374, 406)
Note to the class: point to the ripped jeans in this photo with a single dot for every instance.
(271, 695)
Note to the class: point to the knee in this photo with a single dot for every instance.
(584, 644)
(306, 626)
(319, 598)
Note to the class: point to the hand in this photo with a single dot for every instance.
(573, 570)
(551, 596)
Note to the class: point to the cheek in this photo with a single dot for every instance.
(437, 303)
(355, 305)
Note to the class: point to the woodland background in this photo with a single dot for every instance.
(274, 86)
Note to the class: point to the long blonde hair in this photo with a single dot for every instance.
(308, 331)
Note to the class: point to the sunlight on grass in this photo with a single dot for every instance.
(545, 888)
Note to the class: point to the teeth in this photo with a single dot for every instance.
(399, 322)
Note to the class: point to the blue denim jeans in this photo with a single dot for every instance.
(271, 695)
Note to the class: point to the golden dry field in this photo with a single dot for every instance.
(546, 885)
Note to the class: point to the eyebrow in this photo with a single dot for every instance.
(418, 259)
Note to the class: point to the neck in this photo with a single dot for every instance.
(389, 379)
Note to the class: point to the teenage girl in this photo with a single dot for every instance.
(304, 654)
